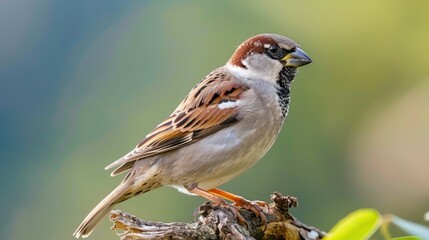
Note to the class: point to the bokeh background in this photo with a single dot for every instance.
(83, 81)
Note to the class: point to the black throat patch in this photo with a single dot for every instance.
(286, 76)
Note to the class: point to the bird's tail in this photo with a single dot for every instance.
(89, 223)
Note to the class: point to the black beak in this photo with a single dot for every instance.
(297, 58)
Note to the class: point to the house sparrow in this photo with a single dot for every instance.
(226, 124)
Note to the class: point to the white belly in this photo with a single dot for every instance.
(222, 156)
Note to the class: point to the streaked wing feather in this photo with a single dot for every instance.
(196, 117)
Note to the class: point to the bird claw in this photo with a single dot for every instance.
(261, 204)
(237, 215)
(217, 196)
(254, 206)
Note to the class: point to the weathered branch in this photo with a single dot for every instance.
(220, 223)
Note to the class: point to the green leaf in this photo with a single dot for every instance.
(411, 227)
(358, 225)
(407, 238)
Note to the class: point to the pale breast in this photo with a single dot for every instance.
(225, 154)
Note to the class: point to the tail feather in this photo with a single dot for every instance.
(101, 210)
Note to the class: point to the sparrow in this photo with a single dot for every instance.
(226, 123)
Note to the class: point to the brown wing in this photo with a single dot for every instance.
(197, 116)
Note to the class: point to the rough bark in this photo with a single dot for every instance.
(215, 222)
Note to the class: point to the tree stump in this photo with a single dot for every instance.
(214, 222)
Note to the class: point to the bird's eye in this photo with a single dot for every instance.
(273, 49)
(275, 52)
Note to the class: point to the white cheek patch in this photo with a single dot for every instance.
(227, 104)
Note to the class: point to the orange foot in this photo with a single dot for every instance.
(216, 196)
(240, 202)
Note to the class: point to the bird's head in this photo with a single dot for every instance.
(269, 57)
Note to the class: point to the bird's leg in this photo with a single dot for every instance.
(211, 197)
(218, 201)
(254, 206)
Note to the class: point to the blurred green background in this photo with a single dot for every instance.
(82, 82)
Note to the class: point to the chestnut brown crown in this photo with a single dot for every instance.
(277, 47)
